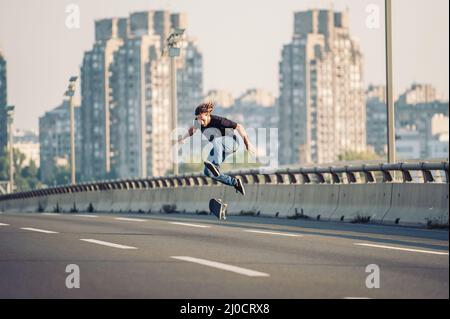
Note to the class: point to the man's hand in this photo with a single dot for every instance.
(251, 149)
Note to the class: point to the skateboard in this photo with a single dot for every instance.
(218, 208)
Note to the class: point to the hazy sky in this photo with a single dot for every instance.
(241, 41)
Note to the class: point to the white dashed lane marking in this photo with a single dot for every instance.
(272, 233)
(218, 265)
(108, 244)
(190, 225)
(40, 230)
(404, 249)
(130, 219)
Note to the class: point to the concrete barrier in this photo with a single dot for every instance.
(52, 203)
(31, 205)
(418, 204)
(163, 200)
(67, 202)
(400, 203)
(87, 201)
(121, 200)
(315, 201)
(42, 204)
(104, 201)
(188, 199)
(363, 203)
(237, 204)
(140, 201)
(275, 200)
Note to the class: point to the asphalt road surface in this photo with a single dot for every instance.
(191, 256)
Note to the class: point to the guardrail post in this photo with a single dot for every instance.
(267, 179)
(305, 177)
(427, 175)
(351, 177)
(406, 175)
(387, 177)
(447, 178)
(292, 178)
(369, 178)
(335, 177)
(279, 178)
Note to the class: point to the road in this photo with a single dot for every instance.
(192, 256)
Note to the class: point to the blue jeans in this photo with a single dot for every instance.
(222, 148)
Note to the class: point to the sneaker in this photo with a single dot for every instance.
(213, 168)
(239, 187)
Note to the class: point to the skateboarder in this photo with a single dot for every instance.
(220, 132)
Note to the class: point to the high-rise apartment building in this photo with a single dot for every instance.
(95, 103)
(126, 95)
(3, 104)
(322, 102)
(376, 122)
(54, 141)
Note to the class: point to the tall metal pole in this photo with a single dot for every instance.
(11, 153)
(173, 99)
(72, 141)
(390, 85)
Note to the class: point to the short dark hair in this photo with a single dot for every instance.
(204, 108)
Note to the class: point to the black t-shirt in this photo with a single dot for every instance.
(218, 127)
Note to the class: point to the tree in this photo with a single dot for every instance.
(349, 156)
(25, 178)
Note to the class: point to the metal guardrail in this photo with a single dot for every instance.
(317, 175)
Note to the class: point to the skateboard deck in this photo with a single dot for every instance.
(218, 208)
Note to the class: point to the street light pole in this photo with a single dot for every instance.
(174, 51)
(174, 106)
(10, 114)
(72, 142)
(70, 93)
(390, 85)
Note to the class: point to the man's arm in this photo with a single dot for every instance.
(248, 145)
(191, 131)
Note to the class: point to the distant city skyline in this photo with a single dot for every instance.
(241, 43)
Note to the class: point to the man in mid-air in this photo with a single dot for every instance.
(220, 132)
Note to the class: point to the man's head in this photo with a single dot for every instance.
(203, 113)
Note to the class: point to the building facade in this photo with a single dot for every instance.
(425, 120)
(95, 103)
(126, 95)
(321, 105)
(419, 94)
(54, 141)
(376, 122)
(27, 142)
(3, 104)
(140, 110)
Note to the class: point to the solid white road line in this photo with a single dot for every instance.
(90, 216)
(105, 243)
(50, 214)
(214, 264)
(190, 225)
(356, 298)
(403, 249)
(4, 224)
(272, 233)
(40, 230)
(130, 219)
